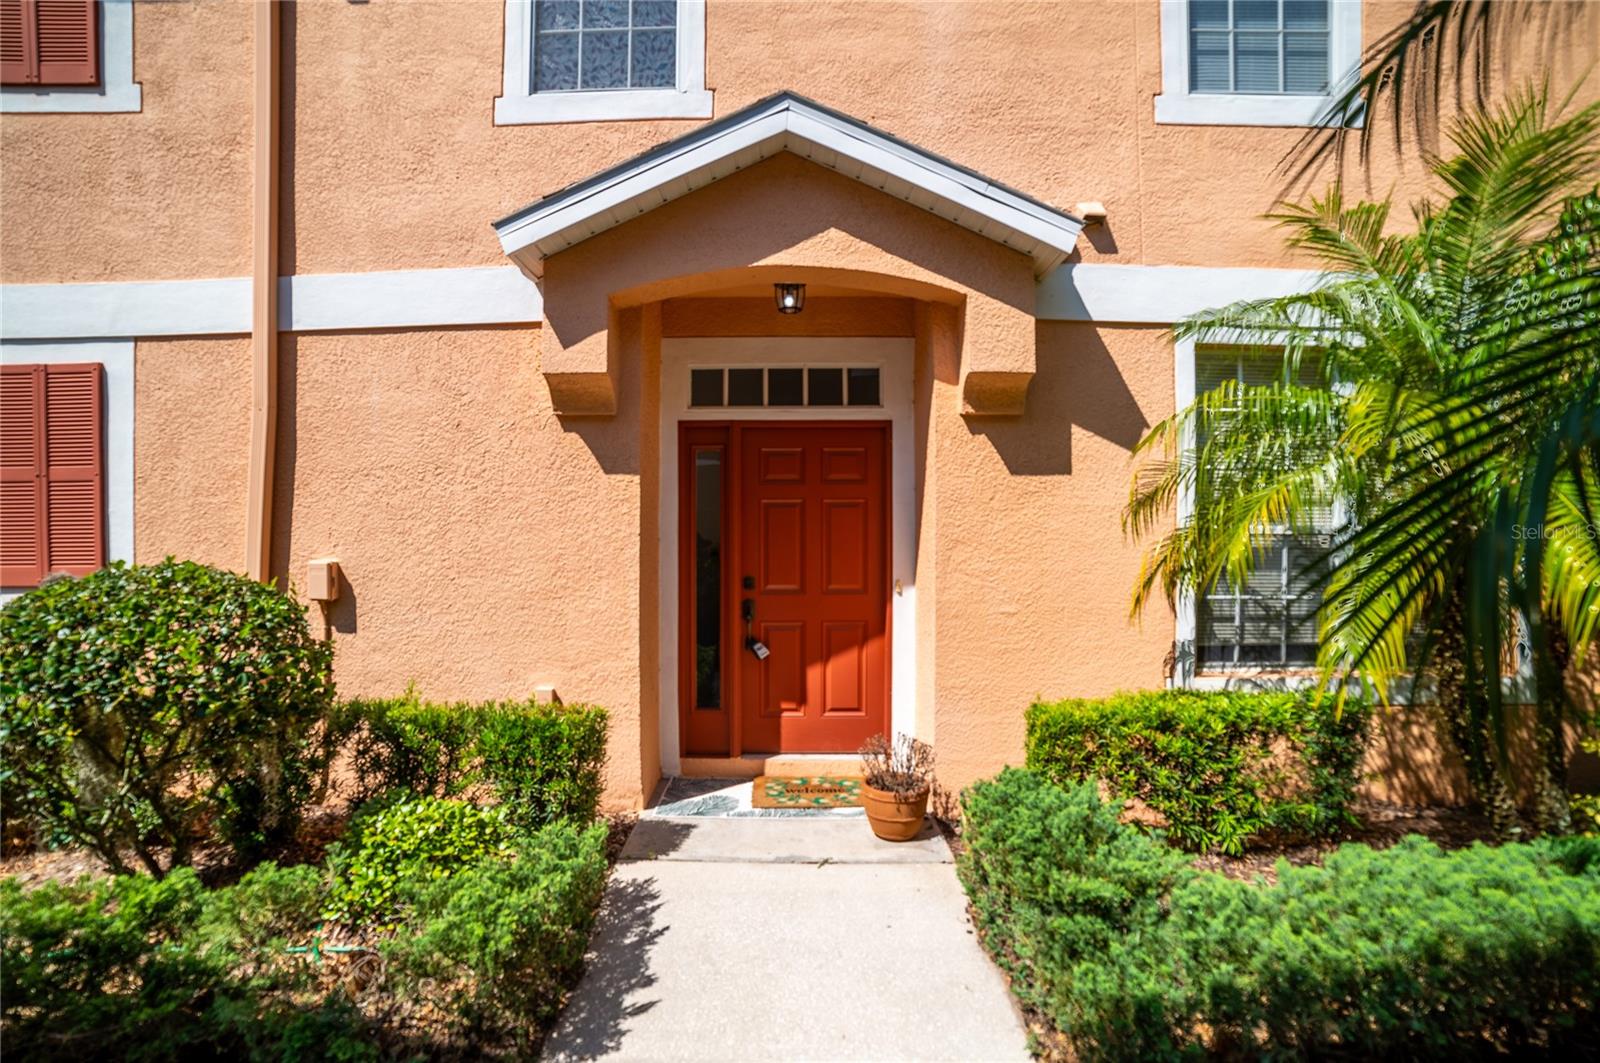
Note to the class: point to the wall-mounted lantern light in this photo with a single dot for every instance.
(791, 298)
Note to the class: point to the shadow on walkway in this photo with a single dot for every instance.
(618, 966)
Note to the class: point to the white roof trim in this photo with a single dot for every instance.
(788, 123)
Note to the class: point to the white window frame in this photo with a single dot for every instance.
(519, 104)
(117, 91)
(1178, 106)
(1185, 670)
(116, 359)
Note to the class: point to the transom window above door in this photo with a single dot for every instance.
(598, 60)
(1257, 62)
(781, 386)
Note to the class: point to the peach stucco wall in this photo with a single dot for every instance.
(486, 547)
(392, 159)
(191, 444)
(1032, 571)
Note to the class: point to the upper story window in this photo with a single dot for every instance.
(1256, 62)
(599, 60)
(66, 55)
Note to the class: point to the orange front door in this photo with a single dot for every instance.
(812, 573)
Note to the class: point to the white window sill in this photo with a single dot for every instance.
(623, 105)
(1245, 110)
(110, 99)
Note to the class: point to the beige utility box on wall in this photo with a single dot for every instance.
(322, 579)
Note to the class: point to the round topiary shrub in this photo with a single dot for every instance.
(142, 705)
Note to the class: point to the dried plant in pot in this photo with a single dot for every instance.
(899, 777)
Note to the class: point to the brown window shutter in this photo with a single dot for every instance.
(74, 469)
(50, 42)
(69, 42)
(19, 52)
(22, 527)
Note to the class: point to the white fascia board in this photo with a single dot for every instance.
(1158, 294)
(585, 214)
(789, 124)
(943, 182)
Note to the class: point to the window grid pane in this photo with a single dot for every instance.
(785, 386)
(1259, 47)
(604, 45)
(1271, 621)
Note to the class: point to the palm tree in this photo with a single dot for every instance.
(1442, 386)
(1445, 50)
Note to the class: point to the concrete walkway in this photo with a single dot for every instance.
(796, 938)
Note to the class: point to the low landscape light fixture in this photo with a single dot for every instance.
(791, 298)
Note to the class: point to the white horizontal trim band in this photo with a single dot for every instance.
(498, 295)
(483, 295)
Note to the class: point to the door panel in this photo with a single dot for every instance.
(814, 547)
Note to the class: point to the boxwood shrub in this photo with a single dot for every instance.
(403, 839)
(1410, 952)
(142, 704)
(543, 761)
(1219, 766)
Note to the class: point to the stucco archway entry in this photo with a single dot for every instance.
(920, 274)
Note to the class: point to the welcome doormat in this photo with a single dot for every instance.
(806, 791)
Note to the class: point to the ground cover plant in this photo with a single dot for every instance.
(1127, 952)
(1220, 767)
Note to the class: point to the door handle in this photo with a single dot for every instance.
(751, 643)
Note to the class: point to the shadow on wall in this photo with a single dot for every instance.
(1078, 384)
(285, 450)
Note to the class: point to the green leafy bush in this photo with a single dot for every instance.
(139, 969)
(1220, 767)
(141, 702)
(505, 937)
(405, 839)
(1409, 952)
(544, 762)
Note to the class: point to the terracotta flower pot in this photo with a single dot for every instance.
(894, 818)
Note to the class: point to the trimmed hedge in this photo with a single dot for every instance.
(543, 761)
(140, 705)
(1220, 767)
(1409, 952)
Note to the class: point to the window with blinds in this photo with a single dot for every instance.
(1270, 621)
(1259, 47)
(604, 44)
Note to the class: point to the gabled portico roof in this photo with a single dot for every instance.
(787, 122)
